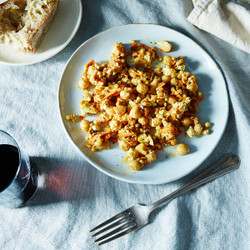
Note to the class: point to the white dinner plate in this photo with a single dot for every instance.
(62, 30)
(214, 108)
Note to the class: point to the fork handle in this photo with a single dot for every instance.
(226, 164)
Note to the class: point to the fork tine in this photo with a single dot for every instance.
(119, 222)
(118, 235)
(117, 230)
(124, 213)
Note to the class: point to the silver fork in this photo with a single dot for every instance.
(137, 216)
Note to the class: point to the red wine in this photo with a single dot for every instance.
(9, 163)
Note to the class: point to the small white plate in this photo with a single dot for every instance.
(213, 108)
(62, 30)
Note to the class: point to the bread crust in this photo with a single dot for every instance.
(35, 38)
(2, 5)
(26, 40)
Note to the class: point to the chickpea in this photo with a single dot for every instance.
(143, 121)
(151, 156)
(198, 129)
(172, 99)
(131, 155)
(94, 149)
(186, 121)
(123, 145)
(114, 125)
(180, 67)
(160, 92)
(96, 126)
(166, 78)
(83, 83)
(190, 132)
(125, 94)
(132, 96)
(84, 125)
(155, 122)
(174, 82)
(182, 149)
(155, 82)
(110, 111)
(158, 70)
(121, 109)
(206, 131)
(86, 96)
(135, 112)
(134, 165)
(138, 99)
(142, 137)
(180, 61)
(173, 142)
(98, 142)
(142, 148)
(207, 124)
(142, 88)
(72, 118)
(165, 46)
(192, 87)
(167, 60)
(136, 81)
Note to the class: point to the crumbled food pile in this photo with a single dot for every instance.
(140, 106)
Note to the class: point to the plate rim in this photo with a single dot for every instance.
(107, 172)
(76, 28)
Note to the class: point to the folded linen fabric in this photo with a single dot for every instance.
(227, 19)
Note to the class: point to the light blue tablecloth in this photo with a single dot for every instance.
(215, 216)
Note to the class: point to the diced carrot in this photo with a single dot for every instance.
(87, 66)
(98, 91)
(199, 99)
(188, 114)
(168, 130)
(136, 45)
(126, 134)
(106, 133)
(110, 95)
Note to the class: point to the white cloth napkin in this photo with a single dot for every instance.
(226, 19)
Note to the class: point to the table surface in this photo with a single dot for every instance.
(77, 196)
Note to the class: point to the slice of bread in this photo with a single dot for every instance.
(23, 23)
